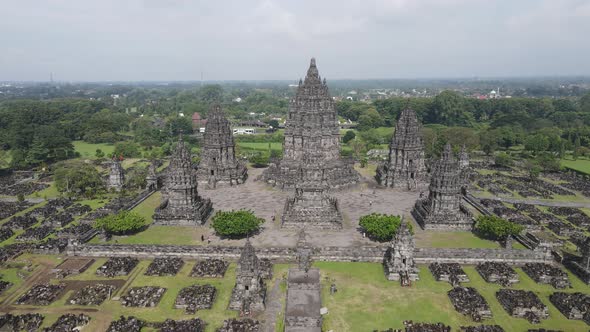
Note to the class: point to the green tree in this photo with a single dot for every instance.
(381, 227)
(211, 93)
(77, 178)
(577, 146)
(370, 119)
(180, 125)
(236, 224)
(536, 143)
(99, 154)
(348, 136)
(127, 149)
(449, 108)
(122, 223)
(503, 159)
(38, 152)
(496, 228)
(585, 103)
(274, 123)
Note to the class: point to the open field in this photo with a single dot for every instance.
(366, 300)
(436, 239)
(88, 150)
(581, 165)
(146, 208)
(111, 309)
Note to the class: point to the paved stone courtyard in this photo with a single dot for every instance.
(266, 202)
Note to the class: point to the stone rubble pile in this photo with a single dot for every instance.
(573, 215)
(240, 325)
(5, 233)
(7, 209)
(41, 294)
(195, 297)
(61, 219)
(547, 274)
(469, 302)
(191, 325)
(79, 209)
(482, 328)
(35, 234)
(449, 272)
(117, 266)
(126, 324)
(572, 305)
(92, 294)
(4, 285)
(522, 304)
(210, 268)
(495, 272)
(50, 246)
(68, 323)
(164, 266)
(26, 322)
(21, 222)
(13, 250)
(146, 296)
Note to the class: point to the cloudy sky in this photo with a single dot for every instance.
(103, 40)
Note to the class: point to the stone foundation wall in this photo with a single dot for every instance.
(333, 254)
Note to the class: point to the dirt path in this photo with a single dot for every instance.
(273, 308)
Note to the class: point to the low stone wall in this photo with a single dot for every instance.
(332, 254)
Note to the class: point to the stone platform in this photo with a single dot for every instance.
(304, 302)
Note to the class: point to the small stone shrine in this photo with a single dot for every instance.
(311, 207)
(312, 138)
(249, 293)
(116, 178)
(442, 209)
(581, 267)
(181, 203)
(399, 258)
(151, 179)
(218, 163)
(404, 167)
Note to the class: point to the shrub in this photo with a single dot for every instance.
(496, 228)
(122, 223)
(259, 160)
(235, 224)
(348, 136)
(381, 227)
(503, 159)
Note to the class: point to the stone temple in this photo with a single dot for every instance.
(249, 293)
(116, 178)
(442, 209)
(311, 207)
(181, 203)
(218, 158)
(312, 138)
(404, 167)
(399, 259)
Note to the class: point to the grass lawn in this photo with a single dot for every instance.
(88, 150)
(581, 165)
(146, 208)
(276, 146)
(435, 239)
(177, 235)
(49, 192)
(366, 300)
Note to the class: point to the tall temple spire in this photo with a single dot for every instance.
(219, 164)
(312, 138)
(404, 167)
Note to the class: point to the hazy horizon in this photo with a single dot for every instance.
(177, 41)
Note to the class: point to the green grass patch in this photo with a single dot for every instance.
(435, 239)
(580, 165)
(146, 208)
(88, 150)
(366, 300)
(262, 146)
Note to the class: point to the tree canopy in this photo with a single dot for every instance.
(381, 227)
(496, 228)
(122, 223)
(236, 224)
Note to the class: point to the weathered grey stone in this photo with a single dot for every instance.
(312, 138)
(116, 178)
(311, 207)
(181, 203)
(442, 209)
(249, 293)
(399, 259)
(404, 167)
(218, 165)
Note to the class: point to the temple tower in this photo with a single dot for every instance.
(116, 178)
(399, 259)
(181, 203)
(312, 138)
(404, 167)
(249, 293)
(442, 209)
(151, 178)
(218, 163)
